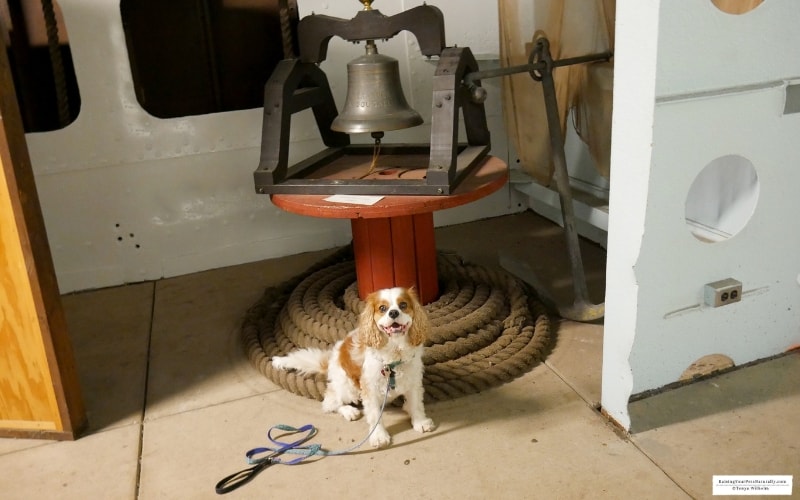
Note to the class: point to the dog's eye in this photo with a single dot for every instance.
(382, 308)
(403, 306)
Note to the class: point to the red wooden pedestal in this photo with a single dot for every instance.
(393, 240)
(396, 251)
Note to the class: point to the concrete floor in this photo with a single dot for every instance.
(174, 404)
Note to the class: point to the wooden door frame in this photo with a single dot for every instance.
(41, 396)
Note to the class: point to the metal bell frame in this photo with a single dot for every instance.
(298, 84)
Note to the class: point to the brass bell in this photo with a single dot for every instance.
(375, 100)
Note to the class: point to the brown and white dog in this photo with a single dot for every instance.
(386, 345)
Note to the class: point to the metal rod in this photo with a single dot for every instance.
(470, 78)
(568, 61)
(561, 177)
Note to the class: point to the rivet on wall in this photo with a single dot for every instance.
(120, 237)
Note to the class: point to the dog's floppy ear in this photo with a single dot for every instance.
(420, 323)
(368, 332)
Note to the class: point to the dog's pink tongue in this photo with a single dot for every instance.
(395, 328)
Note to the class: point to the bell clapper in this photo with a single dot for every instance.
(376, 151)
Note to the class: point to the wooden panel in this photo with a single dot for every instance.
(381, 253)
(39, 393)
(24, 373)
(427, 271)
(361, 252)
(396, 251)
(404, 251)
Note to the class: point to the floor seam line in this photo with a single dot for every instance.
(212, 405)
(137, 488)
(629, 438)
(589, 403)
(652, 461)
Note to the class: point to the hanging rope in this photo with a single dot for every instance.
(57, 64)
(286, 29)
(487, 327)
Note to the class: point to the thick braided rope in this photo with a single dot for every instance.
(487, 327)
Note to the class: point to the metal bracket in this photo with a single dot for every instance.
(294, 86)
(425, 22)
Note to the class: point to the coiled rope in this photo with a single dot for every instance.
(488, 328)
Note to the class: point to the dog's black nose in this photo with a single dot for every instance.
(394, 313)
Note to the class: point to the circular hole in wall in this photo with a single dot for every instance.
(736, 6)
(722, 198)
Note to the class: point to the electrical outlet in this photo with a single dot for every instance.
(723, 292)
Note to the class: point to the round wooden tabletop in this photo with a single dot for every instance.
(484, 180)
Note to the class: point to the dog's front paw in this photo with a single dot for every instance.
(349, 412)
(380, 437)
(424, 425)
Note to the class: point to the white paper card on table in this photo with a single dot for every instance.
(354, 199)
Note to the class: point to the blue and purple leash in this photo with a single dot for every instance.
(244, 476)
(297, 447)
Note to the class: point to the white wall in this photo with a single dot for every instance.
(717, 99)
(129, 197)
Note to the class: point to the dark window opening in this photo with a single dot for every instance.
(38, 51)
(192, 57)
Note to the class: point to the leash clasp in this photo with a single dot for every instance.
(388, 370)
